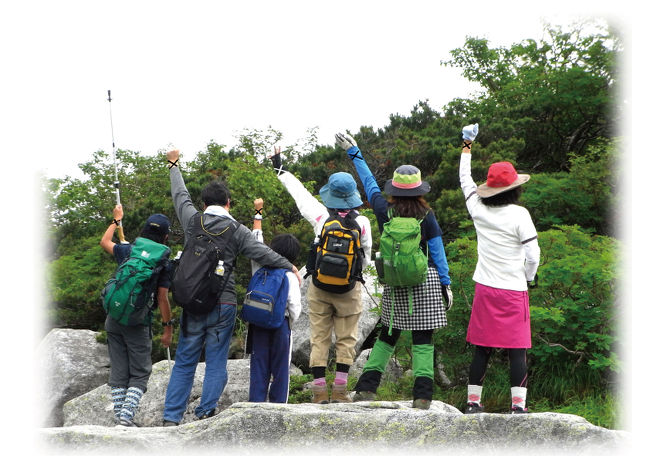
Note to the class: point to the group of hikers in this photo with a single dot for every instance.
(411, 265)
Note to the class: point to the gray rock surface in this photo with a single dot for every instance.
(96, 406)
(392, 373)
(70, 363)
(362, 427)
(367, 322)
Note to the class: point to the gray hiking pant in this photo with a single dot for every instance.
(129, 349)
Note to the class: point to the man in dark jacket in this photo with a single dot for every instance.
(214, 329)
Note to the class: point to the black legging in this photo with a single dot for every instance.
(418, 336)
(518, 367)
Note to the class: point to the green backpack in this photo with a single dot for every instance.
(402, 263)
(128, 296)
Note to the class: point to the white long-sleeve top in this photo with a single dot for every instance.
(316, 213)
(294, 304)
(508, 252)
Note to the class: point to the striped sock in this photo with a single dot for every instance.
(131, 403)
(117, 394)
(474, 394)
(341, 378)
(319, 382)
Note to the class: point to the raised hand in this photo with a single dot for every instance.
(276, 159)
(118, 212)
(258, 203)
(172, 158)
(345, 141)
(470, 132)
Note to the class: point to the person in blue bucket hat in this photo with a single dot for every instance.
(329, 311)
(341, 192)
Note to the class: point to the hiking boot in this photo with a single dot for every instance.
(207, 415)
(364, 396)
(518, 410)
(128, 423)
(421, 403)
(167, 423)
(473, 408)
(319, 394)
(340, 394)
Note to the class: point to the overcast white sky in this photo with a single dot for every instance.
(184, 73)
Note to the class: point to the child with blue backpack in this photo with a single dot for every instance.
(270, 348)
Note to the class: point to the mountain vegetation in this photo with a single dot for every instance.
(550, 107)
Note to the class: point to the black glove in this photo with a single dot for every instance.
(447, 295)
(276, 159)
(533, 283)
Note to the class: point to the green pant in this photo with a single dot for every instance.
(382, 352)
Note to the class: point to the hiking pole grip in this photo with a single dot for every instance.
(120, 234)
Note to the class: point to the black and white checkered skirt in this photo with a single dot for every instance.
(428, 308)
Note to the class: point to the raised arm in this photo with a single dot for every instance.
(465, 170)
(368, 181)
(183, 205)
(257, 229)
(310, 208)
(106, 242)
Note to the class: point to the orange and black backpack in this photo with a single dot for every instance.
(335, 259)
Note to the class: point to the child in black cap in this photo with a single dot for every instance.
(129, 346)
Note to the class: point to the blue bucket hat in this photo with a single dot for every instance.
(158, 224)
(341, 192)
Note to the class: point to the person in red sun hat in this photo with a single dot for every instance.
(508, 257)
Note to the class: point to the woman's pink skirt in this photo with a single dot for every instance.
(500, 318)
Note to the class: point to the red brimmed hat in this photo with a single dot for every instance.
(501, 177)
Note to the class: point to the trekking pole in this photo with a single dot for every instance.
(169, 361)
(120, 229)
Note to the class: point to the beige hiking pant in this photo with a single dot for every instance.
(338, 312)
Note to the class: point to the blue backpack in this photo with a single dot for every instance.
(266, 298)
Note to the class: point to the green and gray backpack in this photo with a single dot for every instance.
(403, 263)
(128, 296)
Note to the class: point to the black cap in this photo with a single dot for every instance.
(157, 223)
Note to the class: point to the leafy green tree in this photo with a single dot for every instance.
(574, 314)
(584, 195)
(558, 94)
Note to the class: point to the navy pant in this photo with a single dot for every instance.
(270, 357)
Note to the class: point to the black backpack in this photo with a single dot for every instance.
(201, 273)
(334, 261)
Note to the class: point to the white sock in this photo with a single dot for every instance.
(474, 394)
(518, 396)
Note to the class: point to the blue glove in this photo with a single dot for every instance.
(470, 132)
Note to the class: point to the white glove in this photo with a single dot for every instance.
(345, 141)
(470, 132)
